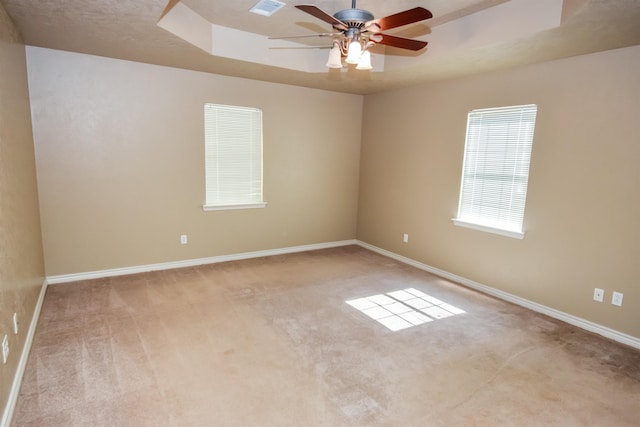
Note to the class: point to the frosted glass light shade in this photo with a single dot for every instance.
(354, 53)
(365, 61)
(335, 57)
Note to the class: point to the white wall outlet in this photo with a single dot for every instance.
(616, 299)
(15, 323)
(598, 295)
(5, 348)
(405, 238)
(183, 239)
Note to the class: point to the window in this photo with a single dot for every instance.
(495, 171)
(233, 157)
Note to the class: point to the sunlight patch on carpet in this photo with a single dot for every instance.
(403, 309)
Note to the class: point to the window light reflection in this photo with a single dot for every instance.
(403, 309)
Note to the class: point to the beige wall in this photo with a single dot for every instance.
(582, 206)
(21, 264)
(120, 158)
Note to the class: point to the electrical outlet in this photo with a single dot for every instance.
(15, 323)
(183, 239)
(616, 299)
(598, 295)
(5, 348)
(405, 238)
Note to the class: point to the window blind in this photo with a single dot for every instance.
(233, 155)
(495, 170)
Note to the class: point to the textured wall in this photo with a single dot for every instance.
(21, 264)
(582, 205)
(120, 157)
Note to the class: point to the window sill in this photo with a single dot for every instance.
(234, 207)
(502, 232)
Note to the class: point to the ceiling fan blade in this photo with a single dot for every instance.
(307, 35)
(318, 13)
(399, 19)
(401, 42)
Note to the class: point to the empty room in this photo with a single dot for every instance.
(320, 213)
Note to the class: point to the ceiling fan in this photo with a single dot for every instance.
(356, 30)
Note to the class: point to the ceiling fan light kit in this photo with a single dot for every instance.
(354, 52)
(335, 56)
(357, 30)
(365, 61)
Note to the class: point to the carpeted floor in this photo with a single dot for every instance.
(325, 338)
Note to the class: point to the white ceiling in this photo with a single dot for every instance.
(465, 36)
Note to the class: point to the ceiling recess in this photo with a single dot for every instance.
(267, 7)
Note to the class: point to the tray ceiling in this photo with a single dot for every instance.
(465, 36)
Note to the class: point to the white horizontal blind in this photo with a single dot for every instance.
(496, 167)
(233, 155)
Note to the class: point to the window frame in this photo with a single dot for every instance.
(252, 145)
(516, 155)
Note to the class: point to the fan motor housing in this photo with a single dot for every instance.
(354, 18)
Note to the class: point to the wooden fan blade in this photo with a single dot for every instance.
(318, 13)
(399, 19)
(401, 42)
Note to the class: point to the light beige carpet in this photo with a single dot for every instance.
(273, 342)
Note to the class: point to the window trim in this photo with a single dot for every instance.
(500, 231)
(466, 222)
(206, 207)
(234, 204)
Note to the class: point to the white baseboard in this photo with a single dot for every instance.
(22, 363)
(551, 312)
(193, 262)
